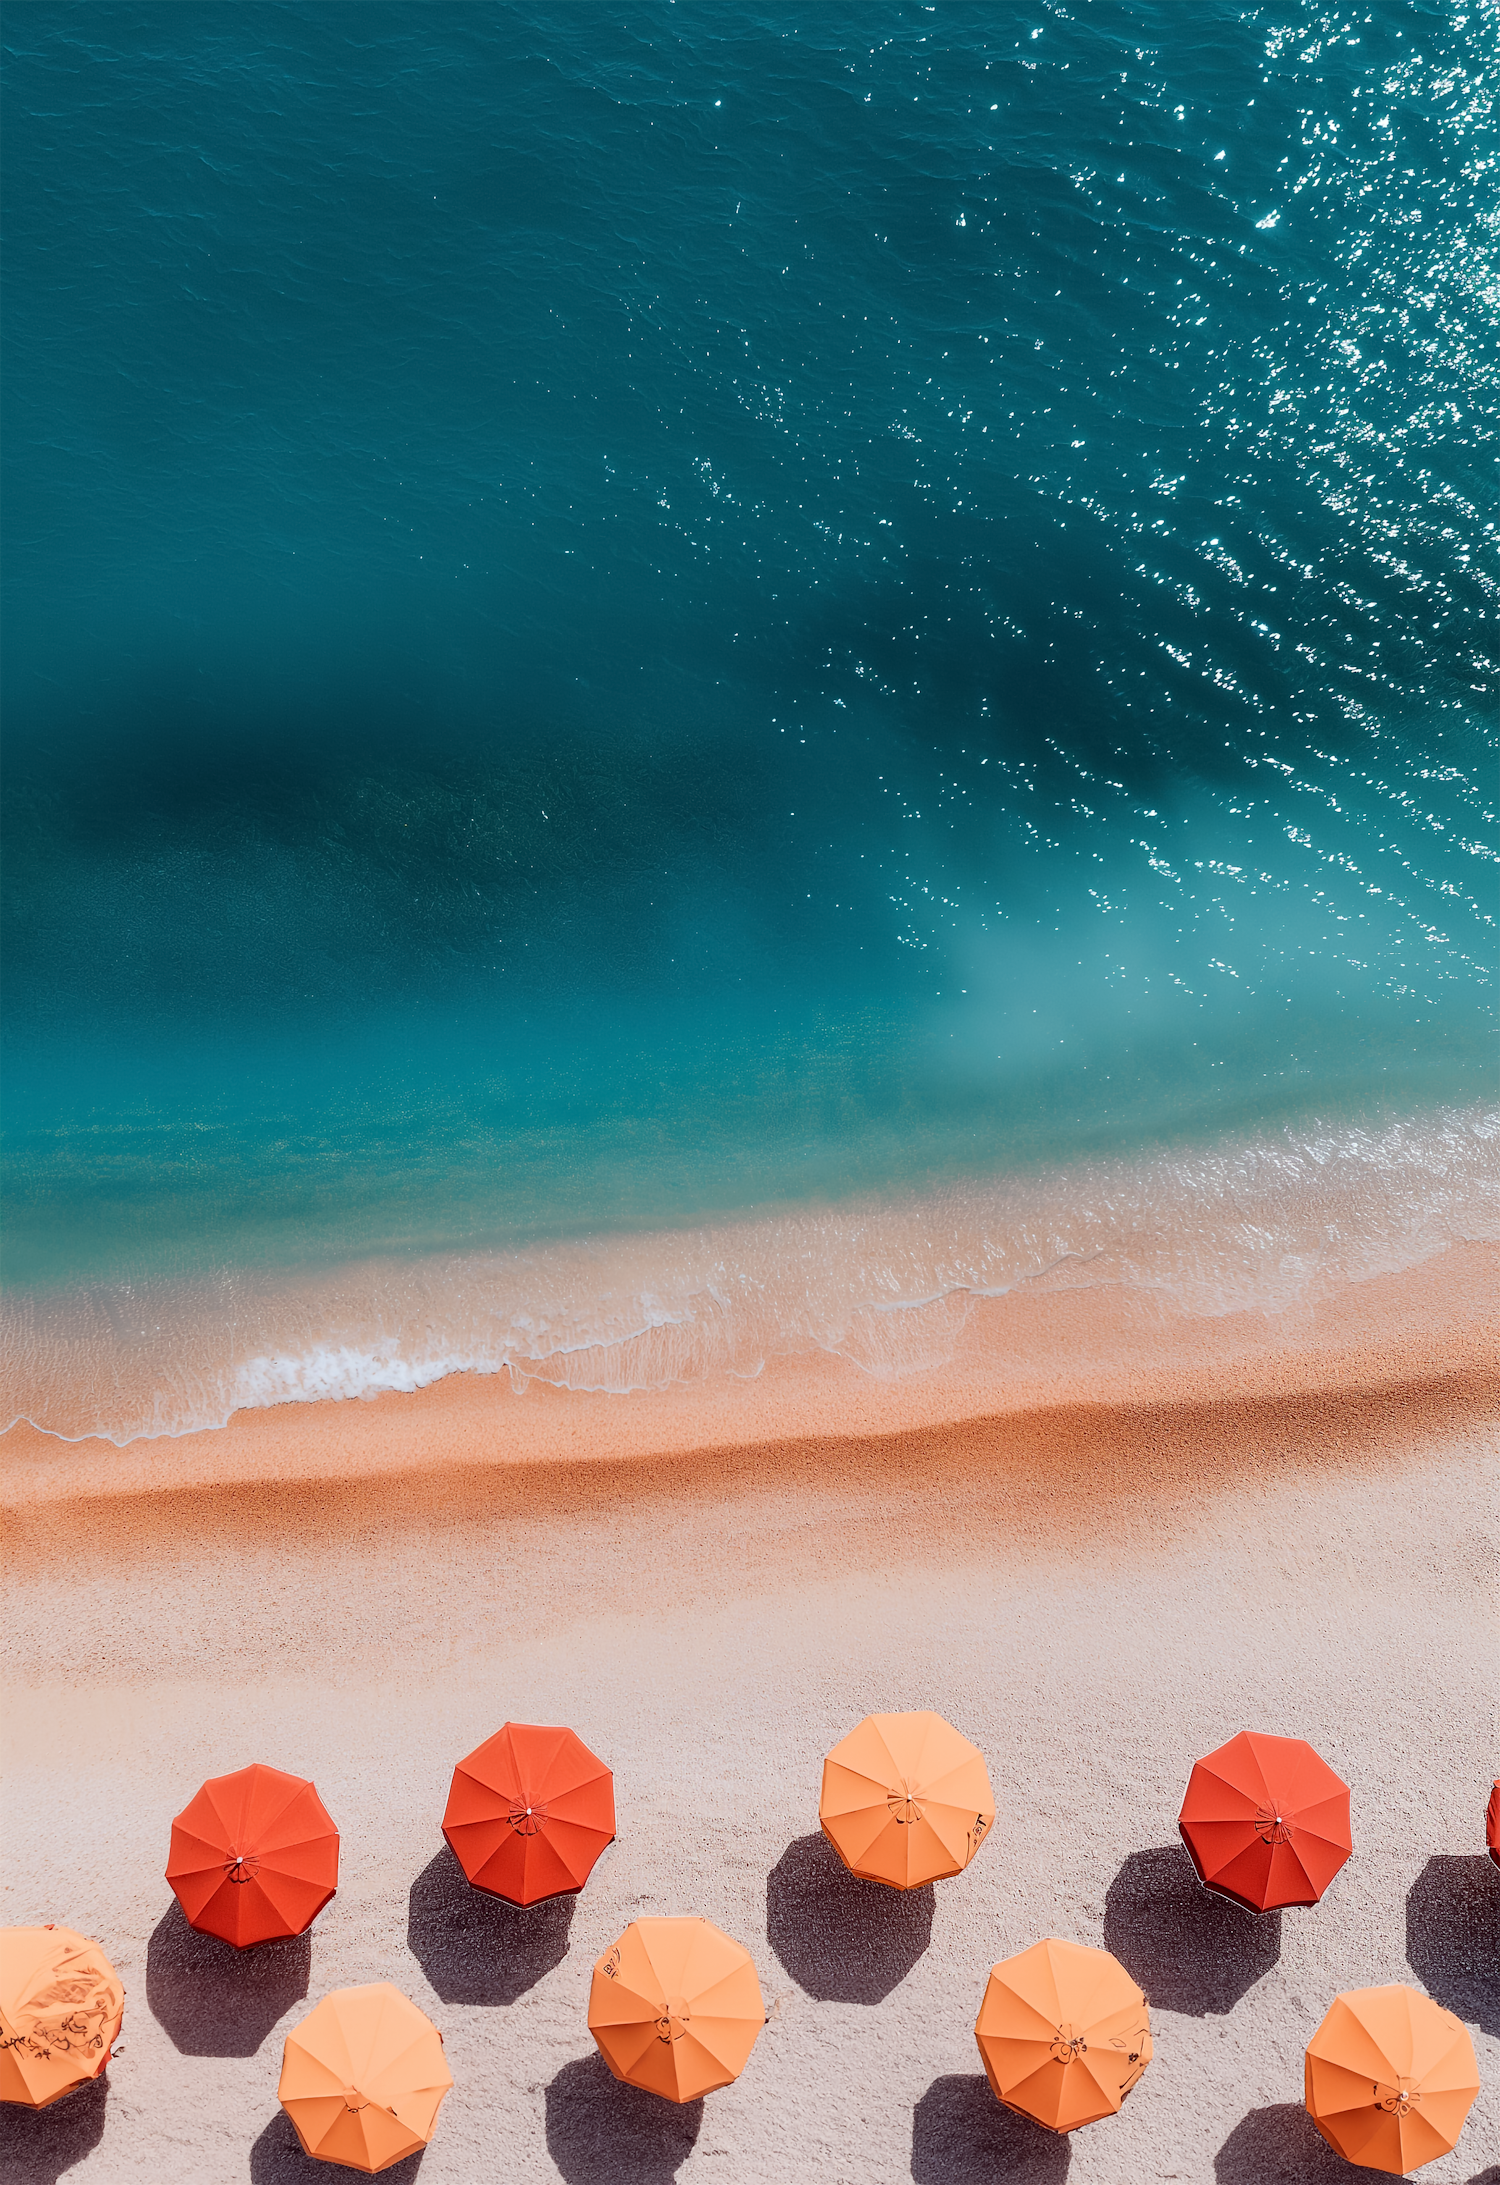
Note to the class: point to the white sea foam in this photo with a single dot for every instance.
(1259, 1226)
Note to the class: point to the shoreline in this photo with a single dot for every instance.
(1019, 1358)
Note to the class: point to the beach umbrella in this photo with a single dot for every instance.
(1266, 1821)
(1492, 1824)
(529, 1812)
(362, 2078)
(1390, 2077)
(60, 2008)
(675, 2007)
(905, 1800)
(1064, 2033)
(254, 1857)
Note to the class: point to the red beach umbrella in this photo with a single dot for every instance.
(254, 1857)
(529, 1812)
(1492, 1824)
(1266, 1821)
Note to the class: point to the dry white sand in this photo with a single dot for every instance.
(1093, 1595)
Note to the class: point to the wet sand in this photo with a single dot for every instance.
(1132, 1549)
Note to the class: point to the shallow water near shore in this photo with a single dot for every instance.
(644, 660)
(1275, 1229)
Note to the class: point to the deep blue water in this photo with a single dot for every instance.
(619, 616)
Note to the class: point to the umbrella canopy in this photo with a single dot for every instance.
(1390, 2078)
(254, 1857)
(906, 1800)
(362, 2077)
(529, 1812)
(60, 2008)
(1266, 1821)
(1492, 1824)
(675, 2007)
(1064, 2033)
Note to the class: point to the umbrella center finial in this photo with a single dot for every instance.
(674, 2020)
(903, 1805)
(241, 1867)
(1270, 1826)
(526, 1819)
(1397, 2100)
(353, 2099)
(1068, 2044)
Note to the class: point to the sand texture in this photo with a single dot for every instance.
(1093, 1594)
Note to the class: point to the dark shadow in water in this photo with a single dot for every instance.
(602, 2133)
(277, 2159)
(38, 2145)
(476, 1948)
(1191, 1950)
(215, 2000)
(1453, 1936)
(961, 2135)
(1281, 2146)
(841, 1939)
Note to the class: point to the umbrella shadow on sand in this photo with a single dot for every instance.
(475, 1948)
(842, 1940)
(602, 2133)
(1188, 1948)
(960, 2135)
(1280, 2146)
(214, 2000)
(38, 2145)
(277, 2159)
(1453, 1936)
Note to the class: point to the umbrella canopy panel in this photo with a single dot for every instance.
(529, 1812)
(1492, 1824)
(675, 2007)
(61, 2003)
(254, 1857)
(362, 2078)
(1064, 2034)
(906, 1800)
(1266, 1821)
(1390, 2077)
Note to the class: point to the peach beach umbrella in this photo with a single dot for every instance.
(1266, 1821)
(254, 1857)
(906, 1800)
(675, 2007)
(1064, 2033)
(1390, 2078)
(1492, 1824)
(529, 1812)
(61, 2003)
(362, 2077)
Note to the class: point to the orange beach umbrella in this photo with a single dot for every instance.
(1266, 1821)
(362, 2077)
(675, 2007)
(1390, 2078)
(254, 1857)
(61, 2003)
(906, 1800)
(529, 1812)
(1064, 2033)
(1492, 1824)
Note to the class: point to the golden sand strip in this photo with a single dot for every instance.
(1021, 1356)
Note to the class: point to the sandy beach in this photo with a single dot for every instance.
(1098, 1574)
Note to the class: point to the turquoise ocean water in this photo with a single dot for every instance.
(675, 678)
